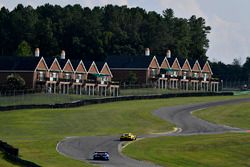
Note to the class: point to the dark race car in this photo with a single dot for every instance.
(101, 155)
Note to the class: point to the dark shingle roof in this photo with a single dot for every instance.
(202, 63)
(49, 61)
(62, 62)
(181, 61)
(13, 63)
(129, 61)
(75, 63)
(99, 65)
(87, 64)
(171, 61)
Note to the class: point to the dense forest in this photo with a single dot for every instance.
(235, 72)
(95, 33)
(101, 31)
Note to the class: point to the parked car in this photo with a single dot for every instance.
(243, 87)
(101, 155)
(127, 137)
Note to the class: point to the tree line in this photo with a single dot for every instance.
(232, 72)
(95, 33)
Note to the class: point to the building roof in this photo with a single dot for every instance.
(62, 62)
(14, 63)
(75, 63)
(99, 65)
(87, 64)
(181, 61)
(127, 61)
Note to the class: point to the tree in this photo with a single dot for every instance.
(246, 69)
(198, 33)
(132, 78)
(24, 49)
(15, 81)
(102, 31)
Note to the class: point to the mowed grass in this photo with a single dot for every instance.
(223, 150)
(40, 98)
(236, 115)
(36, 132)
(146, 91)
(228, 150)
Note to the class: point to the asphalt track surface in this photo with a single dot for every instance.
(82, 148)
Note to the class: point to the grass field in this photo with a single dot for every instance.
(43, 98)
(146, 91)
(224, 150)
(40, 98)
(237, 115)
(36, 132)
(200, 151)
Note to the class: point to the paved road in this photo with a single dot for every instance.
(82, 148)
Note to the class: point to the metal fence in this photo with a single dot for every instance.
(235, 85)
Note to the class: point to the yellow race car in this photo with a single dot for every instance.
(127, 137)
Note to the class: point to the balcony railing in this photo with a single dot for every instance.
(66, 80)
(51, 79)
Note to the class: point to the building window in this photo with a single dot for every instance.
(174, 73)
(41, 76)
(78, 78)
(205, 77)
(153, 72)
(195, 75)
(53, 76)
(67, 76)
(185, 75)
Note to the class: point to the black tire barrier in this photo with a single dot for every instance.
(11, 154)
(112, 99)
(6, 148)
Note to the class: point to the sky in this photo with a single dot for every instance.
(230, 34)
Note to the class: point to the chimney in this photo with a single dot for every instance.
(168, 54)
(63, 54)
(37, 52)
(147, 52)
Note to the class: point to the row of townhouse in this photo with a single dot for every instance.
(61, 75)
(165, 72)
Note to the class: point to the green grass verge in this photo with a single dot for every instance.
(236, 115)
(36, 132)
(40, 98)
(224, 150)
(146, 91)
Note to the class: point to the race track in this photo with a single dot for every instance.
(82, 148)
